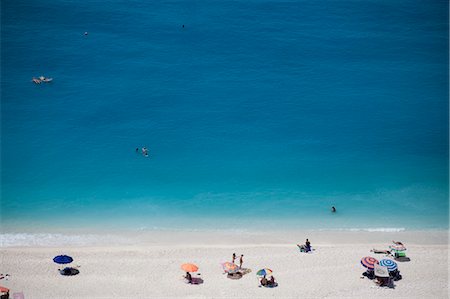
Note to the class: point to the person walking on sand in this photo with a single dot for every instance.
(241, 261)
(233, 258)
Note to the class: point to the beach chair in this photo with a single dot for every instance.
(400, 255)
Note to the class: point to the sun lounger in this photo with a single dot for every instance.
(377, 251)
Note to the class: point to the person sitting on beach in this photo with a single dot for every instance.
(188, 277)
(380, 251)
(395, 275)
(382, 281)
(370, 274)
(264, 281)
(397, 243)
(271, 282)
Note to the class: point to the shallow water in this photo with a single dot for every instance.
(256, 113)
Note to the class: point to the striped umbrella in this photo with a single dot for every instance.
(229, 267)
(369, 262)
(189, 267)
(390, 264)
(264, 272)
(398, 247)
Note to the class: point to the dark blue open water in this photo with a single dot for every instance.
(256, 113)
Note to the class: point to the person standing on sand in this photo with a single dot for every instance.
(308, 245)
(233, 258)
(241, 261)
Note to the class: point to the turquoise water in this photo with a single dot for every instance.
(256, 113)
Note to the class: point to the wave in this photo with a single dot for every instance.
(50, 240)
(375, 229)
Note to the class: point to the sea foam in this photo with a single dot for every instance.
(50, 240)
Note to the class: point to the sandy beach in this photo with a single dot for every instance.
(151, 268)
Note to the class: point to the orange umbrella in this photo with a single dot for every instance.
(4, 290)
(229, 267)
(189, 267)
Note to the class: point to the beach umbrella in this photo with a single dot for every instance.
(398, 247)
(264, 272)
(389, 264)
(229, 267)
(63, 259)
(3, 290)
(381, 271)
(369, 262)
(189, 267)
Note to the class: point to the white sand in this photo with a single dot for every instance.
(151, 268)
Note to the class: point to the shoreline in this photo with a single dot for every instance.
(216, 237)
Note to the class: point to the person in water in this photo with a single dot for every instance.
(333, 209)
(145, 151)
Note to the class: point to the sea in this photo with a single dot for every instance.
(256, 114)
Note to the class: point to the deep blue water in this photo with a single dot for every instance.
(255, 113)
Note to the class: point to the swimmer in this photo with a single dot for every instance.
(183, 25)
(145, 151)
(36, 80)
(333, 209)
(85, 33)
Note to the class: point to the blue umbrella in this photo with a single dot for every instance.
(63, 259)
(390, 264)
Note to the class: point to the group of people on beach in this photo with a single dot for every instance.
(241, 260)
(305, 247)
(268, 282)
